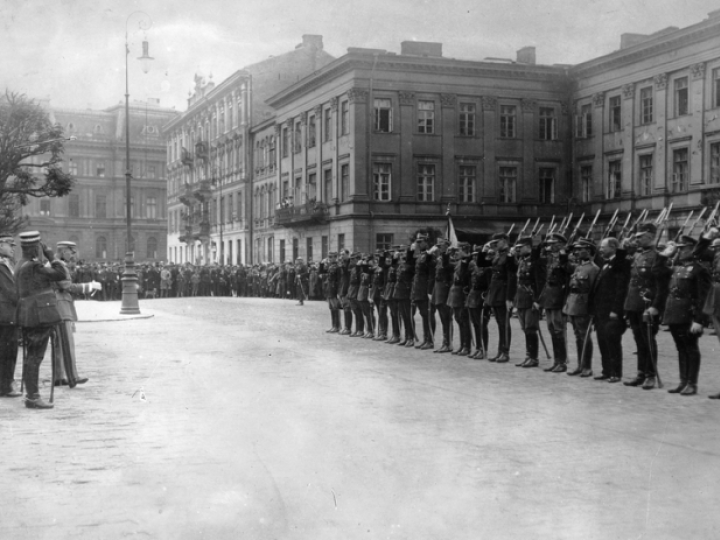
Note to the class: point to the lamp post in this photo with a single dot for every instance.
(217, 180)
(130, 305)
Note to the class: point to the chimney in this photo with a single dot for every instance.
(312, 41)
(714, 14)
(629, 40)
(526, 55)
(421, 48)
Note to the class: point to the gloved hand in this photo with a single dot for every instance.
(95, 286)
(48, 253)
(670, 249)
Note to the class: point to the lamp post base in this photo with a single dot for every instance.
(130, 304)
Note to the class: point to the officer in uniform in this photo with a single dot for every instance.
(330, 268)
(391, 264)
(302, 278)
(689, 286)
(441, 289)
(37, 309)
(577, 304)
(457, 296)
(530, 280)
(647, 291)
(500, 294)
(363, 296)
(552, 298)
(8, 328)
(480, 275)
(344, 265)
(376, 295)
(422, 283)
(352, 294)
(401, 293)
(606, 306)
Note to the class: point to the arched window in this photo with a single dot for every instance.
(101, 247)
(98, 128)
(151, 248)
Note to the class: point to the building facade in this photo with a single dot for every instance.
(94, 214)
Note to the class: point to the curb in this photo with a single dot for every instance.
(127, 318)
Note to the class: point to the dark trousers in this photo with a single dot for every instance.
(530, 323)
(645, 339)
(394, 317)
(357, 312)
(367, 312)
(405, 312)
(479, 320)
(446, 316)
(462, 319)
(688, 352)
(347, 312)
(8, 355)
(557, 327)
(381, 307)
(36, 340)
(423, 306)
(502, 318)
(609, 337)
(580, 325)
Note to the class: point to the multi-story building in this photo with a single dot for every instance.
(94, 214)
(375, 145)
(647, 123)
(209, 149)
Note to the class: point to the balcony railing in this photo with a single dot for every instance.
(202, 191)
(311, 212)
(186, 195)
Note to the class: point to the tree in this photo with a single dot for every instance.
(31, 150)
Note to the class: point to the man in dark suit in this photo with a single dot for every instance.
(606, 305)
(8, 328)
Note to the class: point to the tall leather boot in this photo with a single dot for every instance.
(347, 316)
(32, 374)
(462, 339)
(532, 343)
(560, 349)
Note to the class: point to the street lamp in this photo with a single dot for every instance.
(130, 305)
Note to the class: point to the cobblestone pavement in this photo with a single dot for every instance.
(240, 418)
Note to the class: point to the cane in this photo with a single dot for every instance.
(585, 342)
(507, 330)
(542, 340)
(653, 351)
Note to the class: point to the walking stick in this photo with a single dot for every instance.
(542, 340)
(507, 330)
(653, 352)
(585, 342)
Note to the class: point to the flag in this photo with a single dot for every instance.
(451, 233)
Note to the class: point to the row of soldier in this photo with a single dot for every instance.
(628, 280)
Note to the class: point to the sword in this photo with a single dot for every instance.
(542, 340)
(585, 342)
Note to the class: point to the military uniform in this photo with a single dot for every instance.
(401, 293)
(388, 296)
(422, 286)
(364, 298)
(530, 280)
(457, 300)
(8, 328)
(552, 299)
(331, 269)
(502, 288)
(344, 300)
(302, 278)
(480, 275)
(376, 297)
(441, 289)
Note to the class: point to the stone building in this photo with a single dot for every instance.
(94, 214)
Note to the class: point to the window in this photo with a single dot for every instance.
(614, 179)
(327, 125)
(311, 131)
(100, 206)
(282, 251)
(151, 248)
(467, 183)
(508, 182)
(74, 205)
(308, 249)
(341, 241)
(100, 169)
(426, 117)
(383, 115)
(45, 207)
(716, 87)
(72, 167)
(285, 142)
(324, 247)
(151, 208)
(547, 185)
(584, 126)
(295, 249)
(548, 124)
(467, 119)
(680, 170)
(508, 121)
(270, 249)
(344, 182)
(297, 191)
(383, 241)
(297, 138)
(715, 163)
(426, 183)
(646, 175)
(327, 185)
(586, 182)
(681, 96)
(344, 118)
(646, 105)
(615, 114)
(382, 176)
(312, 187)
(101, 247)
(151, 171)
(285, 189)
(272, 156)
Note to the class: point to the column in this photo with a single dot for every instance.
(628, 140)
(489, 111)
(660, 106)
(697, 100)
(406, 189)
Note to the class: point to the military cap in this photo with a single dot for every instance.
(299, 259)
(524, 241)
(7, 240)
(421, 236)
(500, 236)
(646, 228)
(584, 243)
(715, 243)
(556, 238)
(686, 240)
(333, 254)
(29, 238)
(66, 243)
(442, 241)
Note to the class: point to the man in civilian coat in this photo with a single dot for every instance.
(500, 294)
(606, 305)
(8, 328)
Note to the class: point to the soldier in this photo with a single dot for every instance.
(606, 306)
(330, 268)
(422, 283)
(343, 292)
(8, 328)
(391, 265)
(689, 286)
(66, 361)
(552, 298)
(500, 294)
(441, 289)
(577, 304)
(352, 294)
(530, 280)
(301, 276)
(37, 312)
(480, 275)
(711, 307)
(457, 297)
(376, 295)
(364, 296)
(647, 291)
(401, 293)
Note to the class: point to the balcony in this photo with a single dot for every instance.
(304, 214)
(186, 195)
(200, 231)
(202, 191)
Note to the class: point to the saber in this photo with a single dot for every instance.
(653, 352)
(542, 340)
(585, 342)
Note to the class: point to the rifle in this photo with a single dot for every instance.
(662, 224)
(681, 230)
(611, 225)
(695, 223)
(552, 224)
(575, 230)
(566, 224)
(623, 230)
(521, 232)
(511, 229)
(592, 226)
(535, 227)
(711, 218)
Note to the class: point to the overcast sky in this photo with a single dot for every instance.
(72, 50)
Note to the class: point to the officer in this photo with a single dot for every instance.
(302, 278)
(647, 291)
(352, 294)
(8, 328)
(711, 307)
(443, 281)
(606, 306)
(500, 294)
(552, 298)
(422, 284)
(480, 275)
(330, 268)
(401, 293)
(37, 312)
(457, 296)
(530, 280)
(577, 303)
(376, 294)
(363, 296)
(391, 264)
(689, 286)
(343, 292)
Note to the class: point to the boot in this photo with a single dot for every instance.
(637, 381)
(577, 371)
(37, 403)
(522, 364)
(410, 343)
(445, 348)
(552, 368)
(465, 351)
(503, 359)
(7, 389)
(689, 390)
(649, 383)
(531, 363)
(393, 340)
(679, 388)
(479, 355)
(560, 368)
